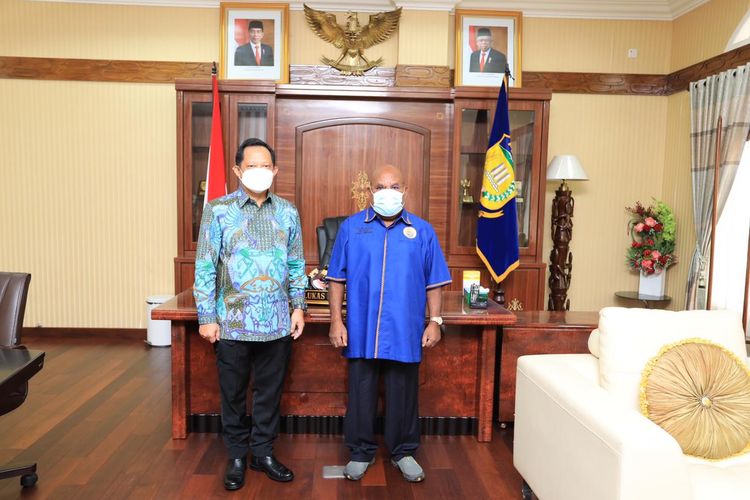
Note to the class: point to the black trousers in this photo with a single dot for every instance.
(267, 361)
(401, 408)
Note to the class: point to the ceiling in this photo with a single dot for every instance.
(584, 9)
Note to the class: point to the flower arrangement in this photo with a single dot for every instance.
(652, 230)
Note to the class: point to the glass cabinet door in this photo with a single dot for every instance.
(195, 151)
(243, 117)
(251, 116)
(474, 120)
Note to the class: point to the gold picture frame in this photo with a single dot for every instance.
(480, 65)
(254, 41)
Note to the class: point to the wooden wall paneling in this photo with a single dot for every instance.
(296, 118)
(679, 80)
(596, 83)
(105, 70)
(423, 76)
(101, 70)
(330, 153)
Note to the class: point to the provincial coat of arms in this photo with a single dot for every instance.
(352, 38)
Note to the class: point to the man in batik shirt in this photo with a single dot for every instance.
(248, 268)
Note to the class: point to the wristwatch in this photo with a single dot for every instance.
(437, 319)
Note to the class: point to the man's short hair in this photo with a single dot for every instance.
(484, 32)
(249, 143)
(255, 24)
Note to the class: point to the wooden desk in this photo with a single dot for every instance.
(457, 377)
(539, 332)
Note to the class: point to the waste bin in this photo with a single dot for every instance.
(159, 333)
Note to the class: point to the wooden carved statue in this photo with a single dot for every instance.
(561, 259)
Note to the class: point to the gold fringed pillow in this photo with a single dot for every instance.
(699, 392)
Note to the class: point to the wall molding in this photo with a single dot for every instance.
(100, 70)
(596, 83)
(103, 70)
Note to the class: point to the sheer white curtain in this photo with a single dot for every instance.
(730, 258)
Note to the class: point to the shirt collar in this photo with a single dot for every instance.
(243, 197)
(370, 215)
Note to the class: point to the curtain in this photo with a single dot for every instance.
(726, 95)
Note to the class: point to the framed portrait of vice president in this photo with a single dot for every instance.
(488, 44)
(254, 41)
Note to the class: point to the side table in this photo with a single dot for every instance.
(648, 300)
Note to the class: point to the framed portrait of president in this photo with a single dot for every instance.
(254, 42)
(488, 44)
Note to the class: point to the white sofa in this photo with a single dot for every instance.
(579, 433)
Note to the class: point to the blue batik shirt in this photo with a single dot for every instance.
(248, 266)
(387, 271)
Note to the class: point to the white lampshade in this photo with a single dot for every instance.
(566, 167)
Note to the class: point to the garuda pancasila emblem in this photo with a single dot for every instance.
(353, 38)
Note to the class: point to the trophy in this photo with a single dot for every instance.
(466, 196)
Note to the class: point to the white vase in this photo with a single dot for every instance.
(653, 285)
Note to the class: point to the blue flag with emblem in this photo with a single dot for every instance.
(497, 228)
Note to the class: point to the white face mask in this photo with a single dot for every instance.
(388, 202)
(257, 179)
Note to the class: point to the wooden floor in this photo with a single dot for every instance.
(97, 421)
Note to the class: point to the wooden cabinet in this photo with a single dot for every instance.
(529, 121)
(246, 111)
(326, 137)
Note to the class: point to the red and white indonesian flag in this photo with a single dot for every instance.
(216, 181)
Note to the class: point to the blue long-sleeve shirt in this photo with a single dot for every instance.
(248, 266)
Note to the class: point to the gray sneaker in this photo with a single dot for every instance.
(410, 469)
(355, 470)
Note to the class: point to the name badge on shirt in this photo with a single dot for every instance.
(410, 232)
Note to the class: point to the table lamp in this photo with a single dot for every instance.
(564, 168)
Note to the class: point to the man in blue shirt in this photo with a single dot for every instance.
(392, 265)
(248, 267)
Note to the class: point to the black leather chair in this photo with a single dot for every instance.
(326, 238)
(14, 288)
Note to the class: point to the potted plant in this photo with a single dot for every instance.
(652, 230)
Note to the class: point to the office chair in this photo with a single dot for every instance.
(326, 237)
(14, 288)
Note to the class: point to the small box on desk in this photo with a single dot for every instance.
(475, 295)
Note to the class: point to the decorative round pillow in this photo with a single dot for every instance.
(699, 392)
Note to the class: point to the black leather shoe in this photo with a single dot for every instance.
(272, 467)
(234, 477)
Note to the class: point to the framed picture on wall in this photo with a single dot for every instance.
(487, 44)
(254, 41)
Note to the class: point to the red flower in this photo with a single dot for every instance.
(647, 253)
(658, 227)
(640, 227)
(650, 221)
(650, 242)
(648, 264)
